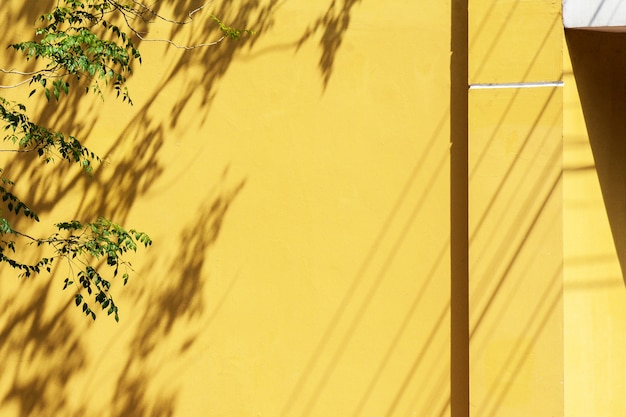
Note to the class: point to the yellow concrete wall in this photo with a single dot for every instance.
(296, 186)
(595, 223)
(515, 209)
(515, 246)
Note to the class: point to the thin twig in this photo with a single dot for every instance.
(18, 84)
(186, 47)
(27, 236)
(28, 80)
(18, 150)
(176, 22)
(140, 34)
(16, 72)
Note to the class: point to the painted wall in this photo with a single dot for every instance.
(318, 194)
(515, 209)
(296, 186)
(595, 223)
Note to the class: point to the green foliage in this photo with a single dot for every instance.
(77, 41)
(230, 32)
(79, 244)
(102, 240)
(31, 137)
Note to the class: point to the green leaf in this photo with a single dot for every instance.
(74, 41)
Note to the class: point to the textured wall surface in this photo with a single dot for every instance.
(362, 210)
(296, 186)
(515, 208)
(595, 223)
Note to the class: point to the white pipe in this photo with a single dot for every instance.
(539, 84)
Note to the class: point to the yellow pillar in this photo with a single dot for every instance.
(515, 209)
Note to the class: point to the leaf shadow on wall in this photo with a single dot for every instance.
(173, 304)
(138, 167)
(44, 341)
(30, 336)
(43, 352)
(333, 24)
(599, 64)
(214, 61)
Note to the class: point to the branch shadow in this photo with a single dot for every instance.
(42, 346)
(139, 167)
(216, 61)
(333, 24)
(172, 304)
(40, 352)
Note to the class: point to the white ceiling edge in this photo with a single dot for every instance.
(594, 13)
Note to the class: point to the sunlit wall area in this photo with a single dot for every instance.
(296, 186)
(515, 209)
(362, 209)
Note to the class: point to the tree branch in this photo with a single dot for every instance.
(158, 16)
(186, 47)
(18, 84)
(18, 150)
(141, 35)
(51, 74)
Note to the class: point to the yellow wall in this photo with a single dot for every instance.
(318, 194)
(296, 186)
(595, 223)
(515, 209)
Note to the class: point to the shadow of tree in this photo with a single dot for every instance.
(31, 344)
(216, 61)
(44, 345)
(43, 351)
(334, 24)
(172, 304)
(21, 20)
(139, 167)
